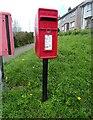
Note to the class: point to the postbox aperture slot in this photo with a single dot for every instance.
(48, 18)
(8, 34)
(48, 30)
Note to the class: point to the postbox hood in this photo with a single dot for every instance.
(4, 13)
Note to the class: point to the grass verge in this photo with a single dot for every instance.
(69, 82)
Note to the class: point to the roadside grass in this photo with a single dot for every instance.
(69, 82)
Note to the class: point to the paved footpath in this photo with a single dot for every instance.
(18, 51)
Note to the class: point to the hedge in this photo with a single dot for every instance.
(23, 38)
(74, 32)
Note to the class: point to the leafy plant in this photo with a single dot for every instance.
(23, 38)
(74, 32)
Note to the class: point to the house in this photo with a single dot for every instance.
(71, 20)
(87, 14)
(78, 17)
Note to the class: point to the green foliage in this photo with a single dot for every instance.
(69, 82)
(85, 31)
(58, 30)
(74, 32)
(23, 38)
(60, 33)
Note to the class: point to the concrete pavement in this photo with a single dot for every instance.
(18, 51)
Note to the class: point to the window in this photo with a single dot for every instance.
(89, 7)
(72, 24)
(62, 28)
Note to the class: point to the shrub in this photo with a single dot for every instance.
(23, 38)
(74, 32)
(86, 31)
(60, 33)
(69, 32)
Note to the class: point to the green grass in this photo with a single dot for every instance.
(69, 77)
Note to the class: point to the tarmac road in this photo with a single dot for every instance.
(18, 51)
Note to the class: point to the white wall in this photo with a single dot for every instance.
(86, 13)
(84, 24)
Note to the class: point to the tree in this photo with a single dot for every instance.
(16, 27)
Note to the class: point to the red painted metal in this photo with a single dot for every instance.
(46, 33)
(6, 34)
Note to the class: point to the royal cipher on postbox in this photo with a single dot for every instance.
(46, 33)
(6, 34)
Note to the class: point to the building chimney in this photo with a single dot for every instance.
(69, 9)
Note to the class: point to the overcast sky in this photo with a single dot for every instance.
(24, 10)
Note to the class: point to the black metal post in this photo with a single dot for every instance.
(1, 73)
(44, 82)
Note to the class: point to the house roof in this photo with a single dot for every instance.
(86, 2)
(71, 10)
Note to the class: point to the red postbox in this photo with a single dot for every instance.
(46, 31)
(6, 35)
